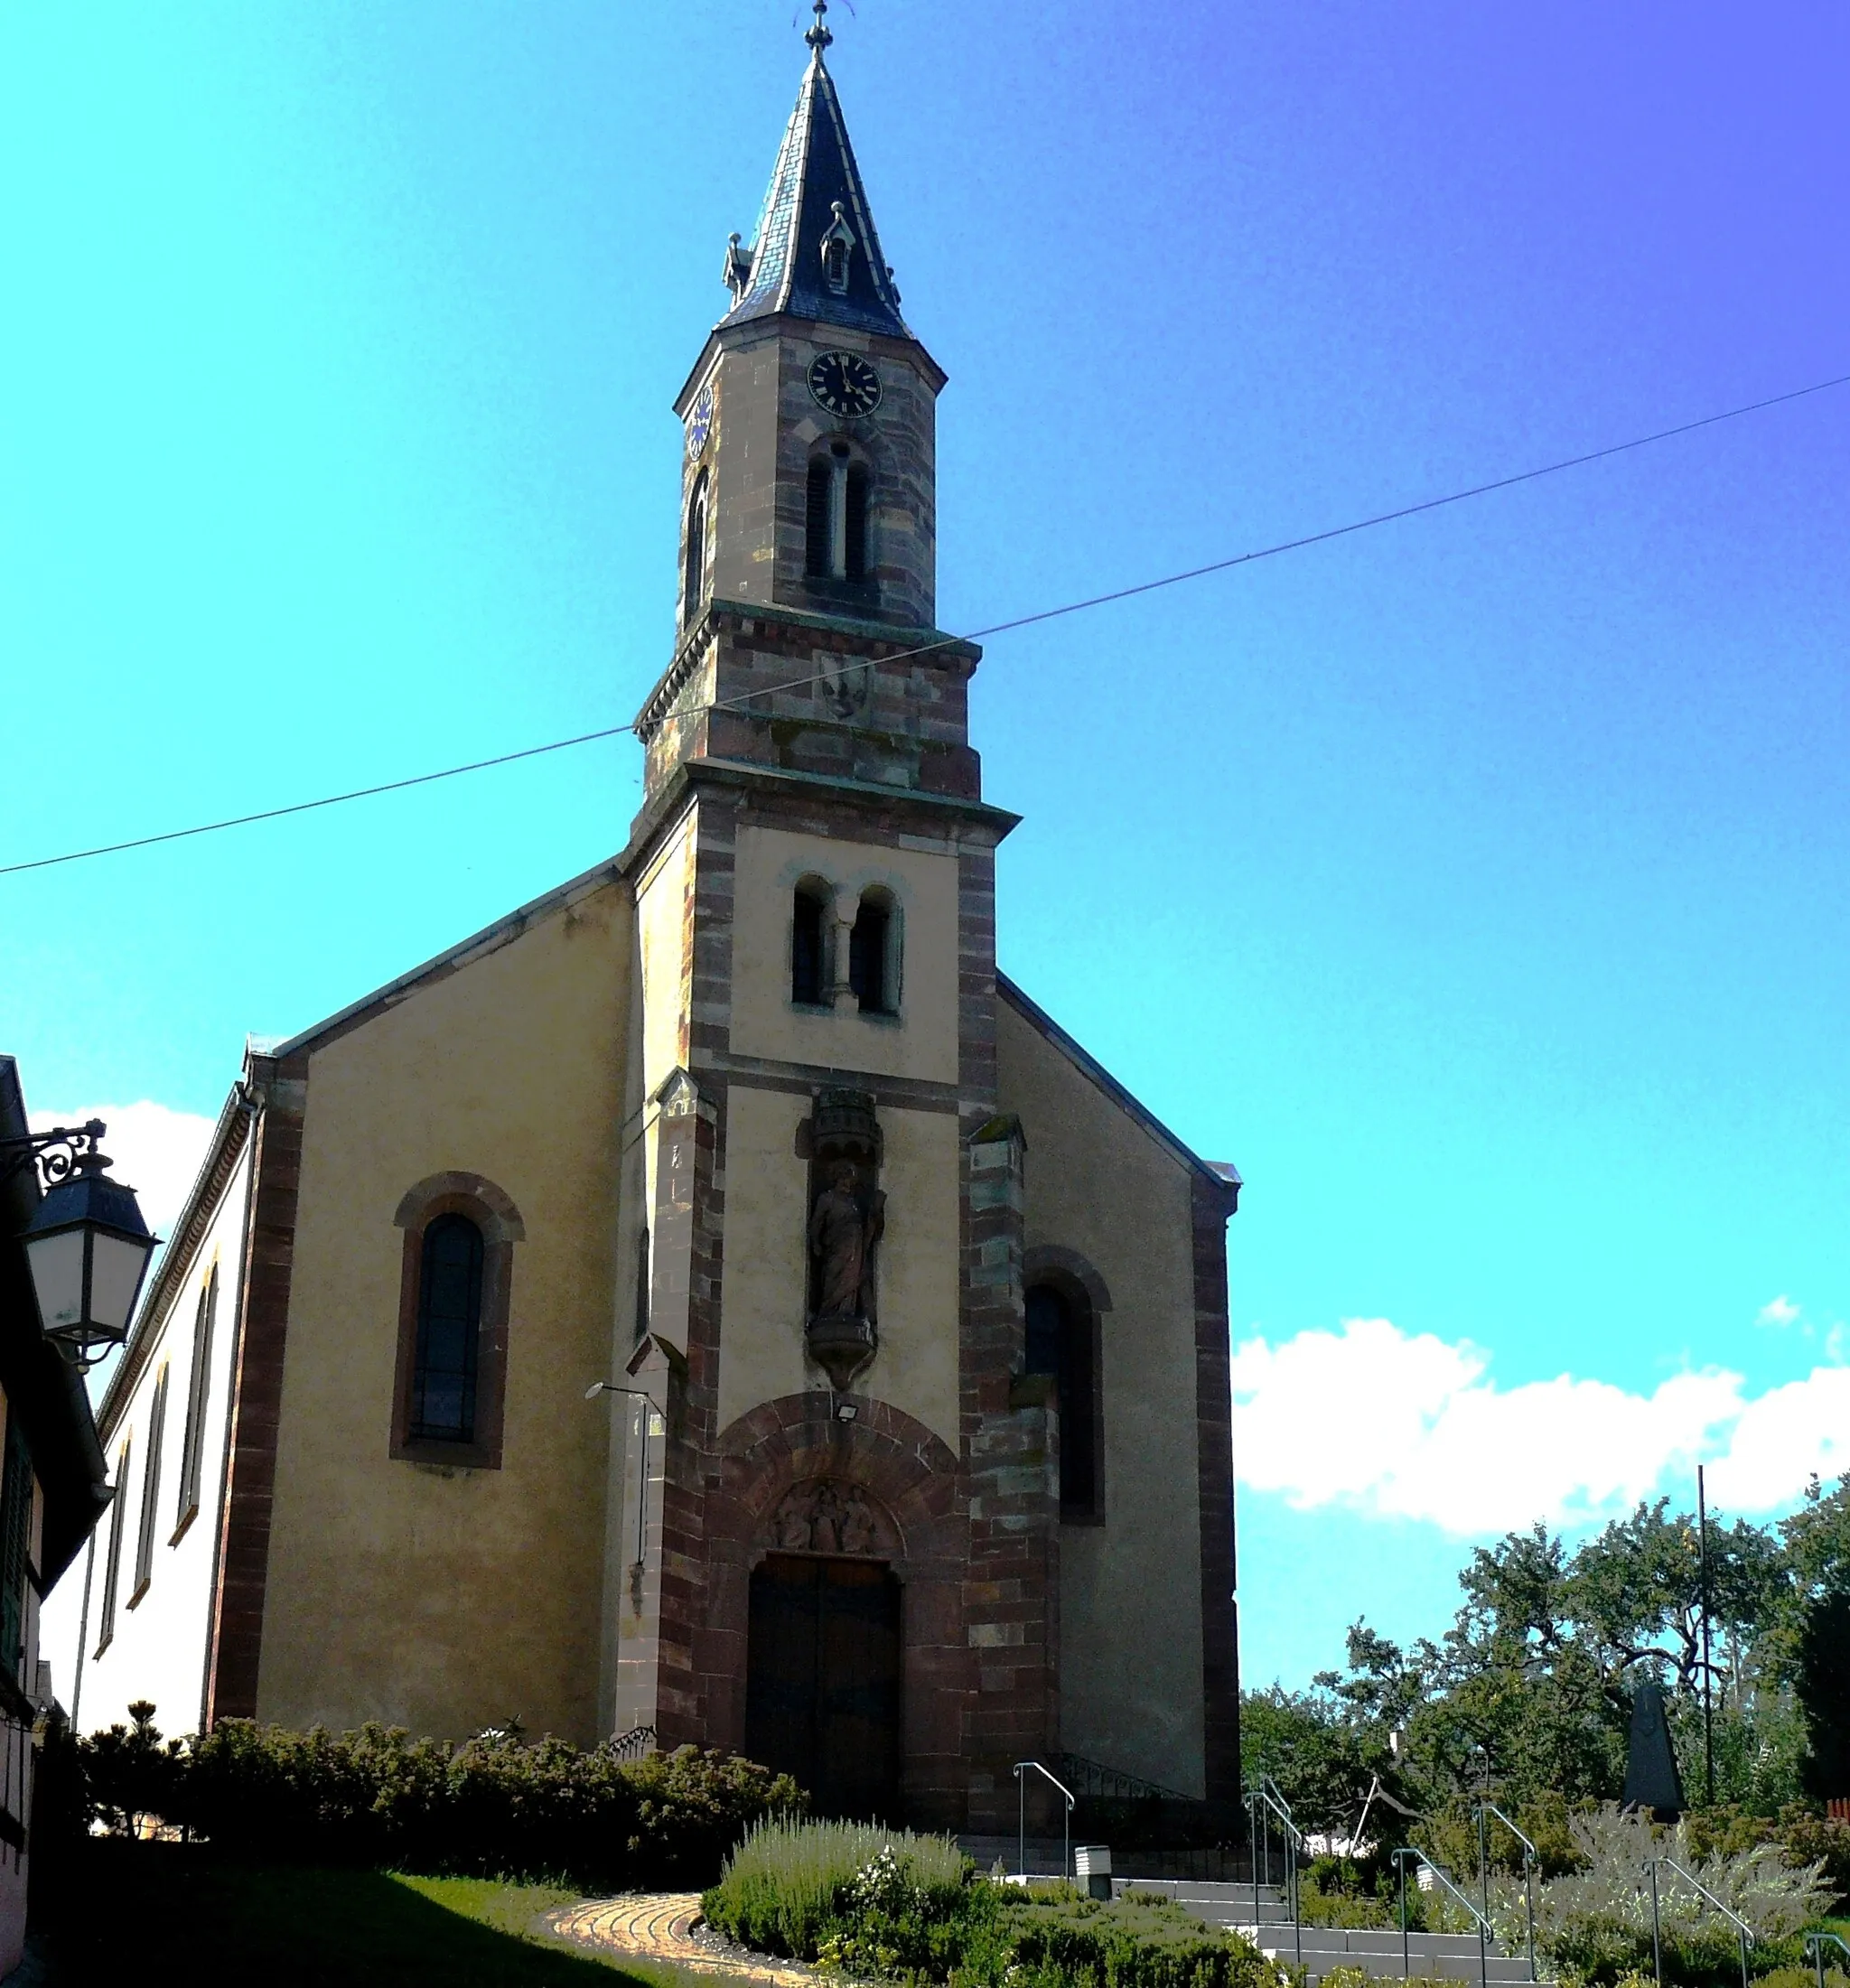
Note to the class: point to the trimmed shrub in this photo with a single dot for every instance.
(490, 1807)
(883, 1902)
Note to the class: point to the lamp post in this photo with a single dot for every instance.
(87, 1244)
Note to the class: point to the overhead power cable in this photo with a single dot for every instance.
(975, 635)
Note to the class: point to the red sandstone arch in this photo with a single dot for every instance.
(912, 1474)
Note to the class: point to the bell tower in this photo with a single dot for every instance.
(830, 1289)
(808, 478)
(807, 495)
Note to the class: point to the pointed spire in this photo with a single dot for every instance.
(816, 254)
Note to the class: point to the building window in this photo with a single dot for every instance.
(112, 1559)
(693, 571)
(199, 1381)
(15, 1544)
(818, 510)
(855, 535)
(453, 1294)
(449, 1326)
(836, 516)
(874, 954)
(150, 1491)
(809, 947)
(1063, 1341)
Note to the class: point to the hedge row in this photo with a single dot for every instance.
(381, 1799)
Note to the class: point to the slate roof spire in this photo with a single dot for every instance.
(816, 254)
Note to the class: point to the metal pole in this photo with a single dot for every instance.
(1528, 1886)
(1484, 1857)
(1656, 1943)
(1483, 1959)
(1067, 1854)
(1401, 1866)
(1744, 1960)
(1297, 1923)
(1022, 1828)
(1701, 1562)
(1817, 1954)
(1253, 1864)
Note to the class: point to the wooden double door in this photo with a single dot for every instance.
(822, 1695)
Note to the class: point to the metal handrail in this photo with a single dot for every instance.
(1445, 1878)
(1531, 1857)
(1263, 1802)
(1741, 1925)
(1022, 1817)
(1814, 1945)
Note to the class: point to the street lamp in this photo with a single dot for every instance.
(87, 1244)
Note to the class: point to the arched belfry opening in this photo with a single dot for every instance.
(823, 1699)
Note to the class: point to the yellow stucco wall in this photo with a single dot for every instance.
(762, 1318)
(1130, 1588)
(663, 893)
(443, 1600)
(922, 1042)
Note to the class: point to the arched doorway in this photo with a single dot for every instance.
(823, 1656)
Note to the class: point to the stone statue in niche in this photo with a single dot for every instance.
(826, 1518)
(841, 1236)
(844, 1228)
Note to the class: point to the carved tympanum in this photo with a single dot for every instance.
(823, 1517)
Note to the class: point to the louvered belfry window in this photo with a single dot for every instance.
(816, 523)
(448, 1327)
(856, 534)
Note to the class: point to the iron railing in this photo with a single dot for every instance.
(1814, 1945)
(1066, 1867)
(1263, 1802)
(1531, 1857)
(634, 1744)
(1093, 1781)
(1743, 1932)
(1445, 1878)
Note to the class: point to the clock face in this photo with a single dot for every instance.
(843, 383)
(700, 421)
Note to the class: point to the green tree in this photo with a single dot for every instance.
(1821, 1682)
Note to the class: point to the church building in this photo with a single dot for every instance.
(714, 1299)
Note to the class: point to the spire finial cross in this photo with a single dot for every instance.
(819, 37)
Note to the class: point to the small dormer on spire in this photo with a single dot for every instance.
(817, 252)
(837, 245)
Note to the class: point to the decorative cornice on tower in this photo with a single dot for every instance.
(816, 191)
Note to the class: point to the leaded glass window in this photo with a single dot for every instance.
(448, 1327)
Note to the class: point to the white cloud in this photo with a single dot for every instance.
(156, 1151)
(1410, 1426)
(1776, 1311)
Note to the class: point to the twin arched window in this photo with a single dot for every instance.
(1063, 1341)
(459, 1232)
(873, 948)
(836, 516)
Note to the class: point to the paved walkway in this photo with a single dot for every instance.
(659, 1926)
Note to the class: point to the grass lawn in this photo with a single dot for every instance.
(162, 1912)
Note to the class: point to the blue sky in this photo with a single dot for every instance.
(1476, 884)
